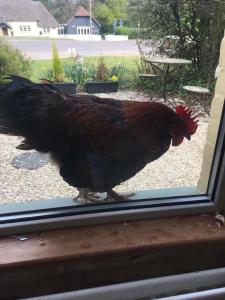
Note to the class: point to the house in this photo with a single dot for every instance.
(31, 18)
(26, 18)
(82, 24)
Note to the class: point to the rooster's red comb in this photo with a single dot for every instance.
(190, 120)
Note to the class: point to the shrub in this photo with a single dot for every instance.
(12, 61)
(80, 73)
(56, 64)
(131, 32)
(102, 72)
(48, 74)
(119, 70)
(76, 72)
(91, 71)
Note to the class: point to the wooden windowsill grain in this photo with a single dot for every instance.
(76, 258)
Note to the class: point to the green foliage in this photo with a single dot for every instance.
(131, 32)
(102, 72)
(56, 64)
(12, 60)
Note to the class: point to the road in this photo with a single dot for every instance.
(41, 49)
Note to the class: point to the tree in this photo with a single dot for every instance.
(56, 64)
(118, 8)
(199, 24)
(63, 10)
(109, 10)
(103, 14)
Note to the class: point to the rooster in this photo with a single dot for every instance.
(96, 143)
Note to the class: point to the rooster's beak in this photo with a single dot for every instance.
(188, 137)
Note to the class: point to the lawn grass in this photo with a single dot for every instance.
(39, 67)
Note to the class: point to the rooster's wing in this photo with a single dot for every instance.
(107, 151)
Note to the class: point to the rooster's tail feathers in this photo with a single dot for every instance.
(27, 108)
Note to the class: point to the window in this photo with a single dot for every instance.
(186, 179)
(83, 30)
(61, 30)
(25, 28)
(46, 29)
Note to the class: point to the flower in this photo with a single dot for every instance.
(115, 78)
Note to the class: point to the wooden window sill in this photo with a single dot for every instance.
(76, 258)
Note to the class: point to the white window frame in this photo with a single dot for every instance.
(61, 30)
(83, 30)
(46, 30)
(24, 28)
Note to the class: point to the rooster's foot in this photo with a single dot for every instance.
(85, 196)
(112, 196)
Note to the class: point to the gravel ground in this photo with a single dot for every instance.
(180, 166)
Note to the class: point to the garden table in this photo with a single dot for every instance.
(163, 67)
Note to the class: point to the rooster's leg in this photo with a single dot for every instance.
(113, 196)
(86, 196)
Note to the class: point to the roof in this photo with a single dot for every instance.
(82, 12)
(26, 11)
(5, 25)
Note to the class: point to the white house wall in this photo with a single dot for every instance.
(16, 29)
(35, 31)
(53, 32)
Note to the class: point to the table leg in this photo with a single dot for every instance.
(164, 83)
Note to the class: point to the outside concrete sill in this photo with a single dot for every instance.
(77, 258)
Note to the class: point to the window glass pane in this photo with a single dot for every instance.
(164, 57)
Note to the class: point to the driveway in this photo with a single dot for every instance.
(41, 49)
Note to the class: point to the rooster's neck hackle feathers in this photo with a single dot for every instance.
(146, 110)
